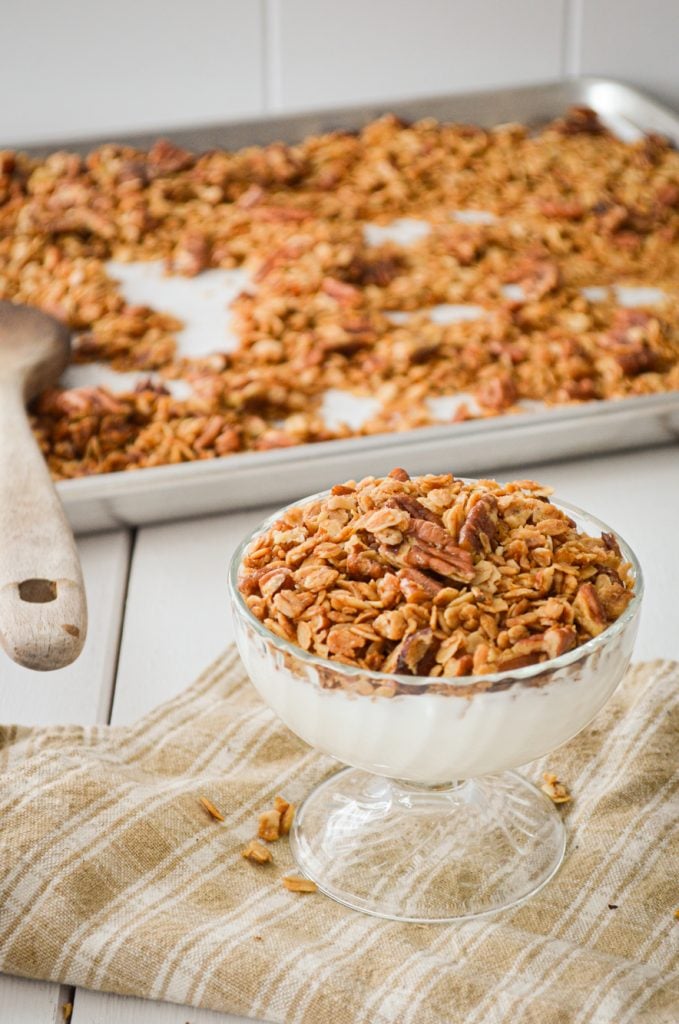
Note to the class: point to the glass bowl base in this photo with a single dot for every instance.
(439, 854)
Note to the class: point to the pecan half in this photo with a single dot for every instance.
(455, 565)
(414, 508)
(479, 531)
(433, 535)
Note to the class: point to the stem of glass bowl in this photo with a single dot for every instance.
(434, 787)
(428, 854)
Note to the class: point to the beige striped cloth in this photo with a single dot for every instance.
(113, 877)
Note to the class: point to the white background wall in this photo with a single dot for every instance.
(80, 66)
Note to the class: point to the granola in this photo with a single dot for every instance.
(257, 852)
(568, 207)
(296, 883)
(555, 789)
(210, 808)
(434, 576)
(270, 825)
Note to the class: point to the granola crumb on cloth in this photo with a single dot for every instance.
(295, 883)
(433, 576)
(270, 825)
(555, 789)
(257, 852)
(208, 806)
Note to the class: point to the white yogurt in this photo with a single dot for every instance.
(436, 738)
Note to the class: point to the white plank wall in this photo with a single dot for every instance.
(77, 68)
(372, 51)
(631, 40)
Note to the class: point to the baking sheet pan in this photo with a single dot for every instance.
(257, 478)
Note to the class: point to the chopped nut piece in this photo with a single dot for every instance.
(418, 586)
(287, 813)
(413, 507)
(295, 883)
(413, 655)
(555, 790)
(280, 804)
(257, 852)
(269, 826)
(210, 808)
(287, 818)
(588, 610)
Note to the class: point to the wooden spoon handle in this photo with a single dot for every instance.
(43, 610)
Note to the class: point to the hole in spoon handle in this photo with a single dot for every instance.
(38, 591)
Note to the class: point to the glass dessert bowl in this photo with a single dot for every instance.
(429, 824)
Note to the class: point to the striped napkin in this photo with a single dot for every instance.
(112, 876)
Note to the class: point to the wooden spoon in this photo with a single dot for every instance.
(43, 610)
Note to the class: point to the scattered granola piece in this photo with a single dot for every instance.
(257, 852)
(210, 808)
(287, 818)
(555, 790)
(295, 883)
(269, 826)
(67, 1011)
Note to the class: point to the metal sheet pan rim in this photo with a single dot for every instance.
(626, 410)
(270, 126)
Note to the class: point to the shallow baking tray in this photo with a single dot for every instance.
(257, 478)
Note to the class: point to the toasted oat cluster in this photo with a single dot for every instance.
(434, 576)
(563, 209)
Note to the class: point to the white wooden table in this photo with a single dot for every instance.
(158, 616)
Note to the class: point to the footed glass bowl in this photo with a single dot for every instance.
(428, 824)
